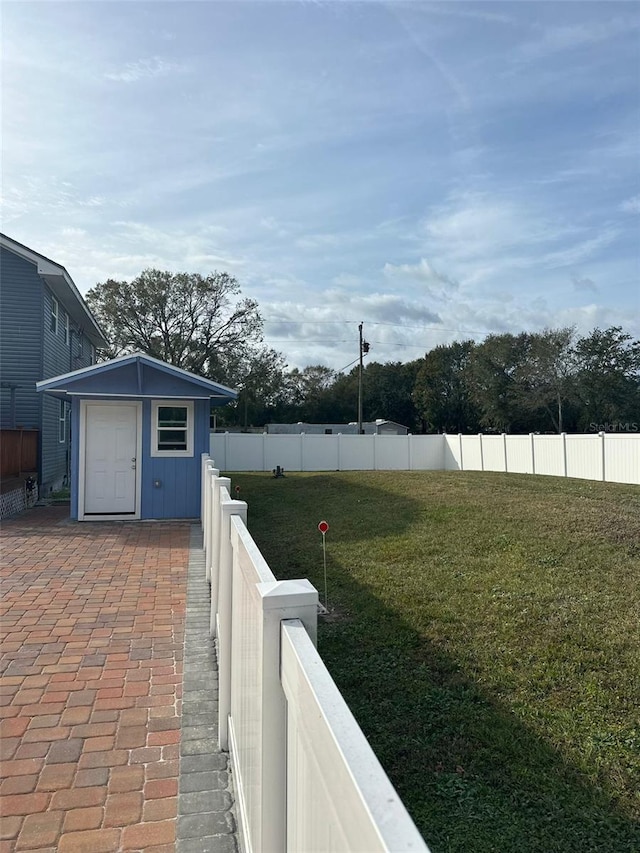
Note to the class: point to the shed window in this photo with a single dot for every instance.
(55, 312)
(172, 428)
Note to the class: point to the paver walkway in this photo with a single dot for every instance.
(92, 619)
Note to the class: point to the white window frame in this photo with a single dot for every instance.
(67, 330)
(155, 406)
(55, 315)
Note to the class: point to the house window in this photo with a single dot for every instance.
(80, 345)
(66, 333)
(92, 355)
(172, 428)
(55, 312)
(62, 423)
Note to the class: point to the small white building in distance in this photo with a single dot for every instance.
(377, 427)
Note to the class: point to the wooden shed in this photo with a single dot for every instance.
(138, 429)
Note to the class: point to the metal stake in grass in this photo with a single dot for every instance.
(323, 527)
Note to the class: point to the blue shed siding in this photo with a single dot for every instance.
(21, 294)
(178, 495)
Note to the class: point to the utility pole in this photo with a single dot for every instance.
(364, 348)
(360, 384)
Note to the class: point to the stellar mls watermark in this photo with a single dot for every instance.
(616, 426)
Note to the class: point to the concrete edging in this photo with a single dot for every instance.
(206, 819)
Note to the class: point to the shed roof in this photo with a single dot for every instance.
(136, 375)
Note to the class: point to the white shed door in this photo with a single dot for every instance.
(111, 442)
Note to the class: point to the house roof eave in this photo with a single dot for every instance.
(64, 289)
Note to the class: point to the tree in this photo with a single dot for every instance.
(545, 379)
(262, 388)
(388, 392)
(442, 392)
(191, 321)
(309, 392)
(607, 378)
(497, 366)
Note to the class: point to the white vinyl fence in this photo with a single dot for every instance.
(305, 776)
(596, 456)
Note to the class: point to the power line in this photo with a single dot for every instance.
(348, 365)
(431, 328)
(305, 341)
(343, 341)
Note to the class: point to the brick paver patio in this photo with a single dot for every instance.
(91, 676)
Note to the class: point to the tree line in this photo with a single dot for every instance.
(548, 381)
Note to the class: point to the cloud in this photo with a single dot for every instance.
(322, 241)
(481, 238)
(31, 194)
(580, 251)
(584, 284)
(327, 332)
(271, 224)
(478, 224)
(422, 271)
(145, 69)
(631, 205)
(452, 12)
(559, 39)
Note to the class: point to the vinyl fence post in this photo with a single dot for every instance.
(504, 446)
(460, 446)
(214, 473)
(227, 509)
(211, 475)
(533, 453)
(218, 483)
(280, 600)
(203, 484)
(563, 439)
(481, 451)
(602, 454)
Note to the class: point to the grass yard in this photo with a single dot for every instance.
(485, 634)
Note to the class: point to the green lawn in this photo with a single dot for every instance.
(485, 633)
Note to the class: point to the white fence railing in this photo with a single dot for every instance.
(305, 776)
(596, 456)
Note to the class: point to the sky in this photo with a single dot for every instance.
(437, 171)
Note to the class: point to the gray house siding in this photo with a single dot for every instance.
(59, 356)
(20, 340)
(31, 351)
